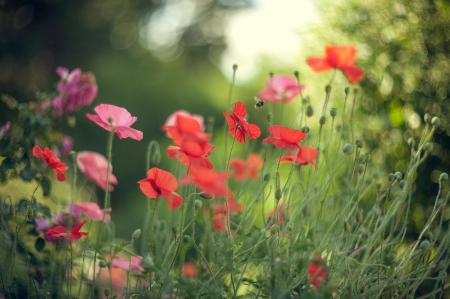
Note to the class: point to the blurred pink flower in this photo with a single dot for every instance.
(76, 90)
(67, 145)
(280, 89)
(121, 121)
(94, 166)
(125, 265)
(93, 211)
(5, 128)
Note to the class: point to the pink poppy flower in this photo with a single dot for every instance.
(93, 211)
(76, 90)
(281, 89)
(125, 265)
(94, 166)
(122, 121)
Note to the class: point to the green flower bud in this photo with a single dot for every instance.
(266, 177)
(186, 239)
(328, 88)
(106, 292)
(427, 118)
(435, 121)
(205, 195)
(136, 234)
(309, 111)
(278, 194)
(274, 229)
(347, 149)
(443, 176)
(235, 67)
(269, 117)
(322, 120)
(347, 90)
(12, 211)
(428, 146)
(391, 177)
(376, 174)
(305, 129)
(402, 184)
(198, 204)
(100, 256)
(361, 168)
(333, 112)
(103, 264)
(359, 143)
(425, 245)
(175, 230)
(428, 235)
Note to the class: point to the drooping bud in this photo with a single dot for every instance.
(359, 143)
(198, 204)
(443, 176)
(205, 195)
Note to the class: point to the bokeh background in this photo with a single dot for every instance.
(155, 57)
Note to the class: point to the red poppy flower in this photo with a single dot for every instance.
(208, 180)
(189, 270)
(317, 273)
(185, 127)
(233, 205)
(161, 183)
(305, 156)
(52, 161)
(281, 210)
(122, 121)
(283, 137)
(239, 127)
(338, 57)
(280, 89)
(61, 231)
(192, 153)
(244, 170)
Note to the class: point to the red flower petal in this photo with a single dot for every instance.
(353, 73)
(173, 199)
(253, 131)
(319, 64)
(240, 109)
(340, 56)
(163, 179)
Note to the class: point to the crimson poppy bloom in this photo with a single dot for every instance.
(121, 121)
(306, 155)
(184, 126)
(317, 273)
(209, 181)
(93, 211)
(74, 234)
(161, 183)
(280, 89)
(284, 137)
(52, 161)
(192, 153)
(189, 270)
(338, 57)
(244, 170)
(239, 127)
(94, 166)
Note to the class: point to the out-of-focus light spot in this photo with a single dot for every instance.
(414, 121)
(23, 16)
(123, 36)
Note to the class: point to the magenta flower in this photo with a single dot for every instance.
(67, 145)
(76, 90)
(5, 128)
(121, 121)
(280, 89)
(125, 265)
(94, 166)
(93, 211)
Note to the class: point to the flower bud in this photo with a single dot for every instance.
(274, 229)
(266, 177)
(11, 210)
(347, 149)
(443, 176)
(347, 226)
(427, 118)
(361, 168)
(402, 184)
(428, 235)
(428, 146)
(278, 194)
(309, 111)
(103, 264)
(205, 195)
(269, 117)
(322, 120)
(305, 129)
(425, 245)
(175, 230)
(333, 112)
(235, 67)
(198, 204)
(186, 239)
(376, 174)
(398, 175)
(355, 91)
(156, 158)
(328, 88)
(136, 234)
(435, 121)
(305, 100)
(391, 177)
(106, 292)
(359, 143)
(347, 90)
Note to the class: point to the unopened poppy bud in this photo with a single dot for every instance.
(347, 149)
(309, 111)
(427, 118)
(398, 175)
(428, 235)
(376, 174)
(333, 112)
(274, 229)
(198, 204)
(391, 177)
(106, 292)
(428, 146)
(156, 158)
(269, 117)
(347, 90)
(425, 245)
(186, 239)
(200, 246)
(266, 177)
(205, 195)
(322, 120)
(378, 186)
(175, 230)
(361, 168)
(443, 176)
(305, 129)
(359, 216)
(103, 264)
(136, 234)
(305, 100)
(296, 74)
(347, 226)
(11, 210)
(359, 143)
(402, 184)
(100, 256)
(362, 158)
(235, 67)
(278, 194)
(355, 90)
(435, 121)
(328, 88)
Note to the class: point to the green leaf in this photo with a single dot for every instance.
(46, 186)
(28, 173)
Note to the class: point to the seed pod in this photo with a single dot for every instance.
(278, 194)
(428, 146)
(198, 204)
(186, 239)
(425, 245)
(347, 149)
(347, 90)
(266, 177)
(435, 121)
(309, 111)
(305, 129)
(322, 120)
(359, 143)
(333, 112)
(136, 235)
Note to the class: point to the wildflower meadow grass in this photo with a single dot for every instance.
(292, 209)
